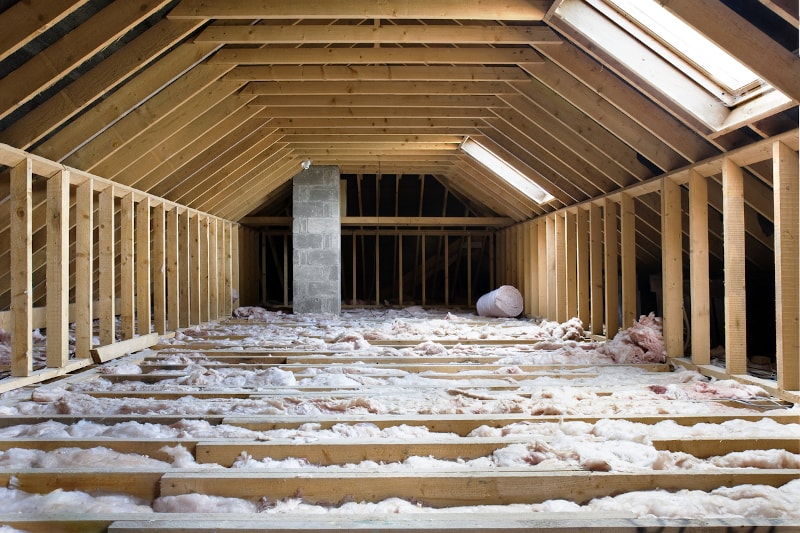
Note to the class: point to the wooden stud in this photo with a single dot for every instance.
(174, 294)
(541, 244)
(235, 275)
(203, 257)
(446, 270)
(143, 299)
(787, 277)
(185, 265)
(107, 272)
(533, 267)
(628, 254)
(583, 275)
(213, 269)
(469, 271)
(560, 237)
(596, 255)
(160, 270)
(194, 269)
(84, 267)
(21, 269)
(698, 269)
(127, 266)
(571, 244)
(226, 278)
(286, 271)
(58, 269)
(735, 292)
(611, 249)
(400, 268)
(552, 285)
(424, 271)
(672, 267)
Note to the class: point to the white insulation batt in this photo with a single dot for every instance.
(505, 301)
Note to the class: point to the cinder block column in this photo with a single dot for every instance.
(316, 235)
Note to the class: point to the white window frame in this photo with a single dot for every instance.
(669, 77)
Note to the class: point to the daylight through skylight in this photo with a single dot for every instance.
(734, 77)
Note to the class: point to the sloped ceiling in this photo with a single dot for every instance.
(215, 103)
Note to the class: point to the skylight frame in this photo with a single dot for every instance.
(505, 171)
(660, 69)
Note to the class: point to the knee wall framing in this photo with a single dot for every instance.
(600, 238)
(142, 258)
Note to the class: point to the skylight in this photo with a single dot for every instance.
(711, 60)
(511, 175)
(644, 42)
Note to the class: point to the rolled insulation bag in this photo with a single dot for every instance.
(504, 301)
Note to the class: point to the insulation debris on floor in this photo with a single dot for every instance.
(376, 417)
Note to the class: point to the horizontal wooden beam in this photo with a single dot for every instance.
(426, 221)
(102, 354)
(441, 489)
(284, 88)
(525, 10)
(368, 33)
(379, 100)
(391, 221)
(371, 56)
(375, 73)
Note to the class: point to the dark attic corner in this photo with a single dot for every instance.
(399, 265)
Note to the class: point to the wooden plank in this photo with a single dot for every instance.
(204, 255)
(184, 267)
(552, 268)
(58, 269)
(735, 292)
(611, 267)
(359, 9)
(160, 271)
(700, 321)
(172, 263)
(596, 265)
(142, 265)
(787, 276)
(194, 269)
(127, 266)
(351, 33)
(405, 221)
(21, 269)
(102, 354)
(376, 73)
(27, 20)
(570, 235)
(38, 376)
(542, 245)
(561, 268)
(351, 451)
(672, 267)
(442, 489)
(583, 273)
(141, 483)
(533, 267)
(449, 522)
(213, 269)
(107, 273)
(705, 447)
(628, 253)
(235, 274)
(84, 268)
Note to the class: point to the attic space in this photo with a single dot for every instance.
(520, 264)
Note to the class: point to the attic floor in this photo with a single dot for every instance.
(403, 419)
